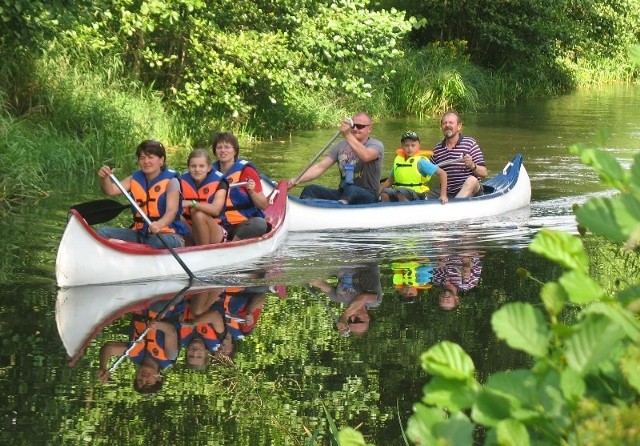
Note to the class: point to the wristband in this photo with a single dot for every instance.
(194, 203)
(475, 166)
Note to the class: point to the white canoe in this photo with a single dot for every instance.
(83, 311)
(507, 191)
(85, 258)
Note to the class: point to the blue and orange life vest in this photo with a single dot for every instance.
(239, 207)
(153, 346)
(211, 339)
(202, 193)
(152, 199)
(405, 171)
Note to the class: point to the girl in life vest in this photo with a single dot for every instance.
(411, 172)
(156, 189)
(202, 329)
(204, 192)
(243, 217)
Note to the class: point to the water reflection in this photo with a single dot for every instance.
(357, 289)
(205, 322)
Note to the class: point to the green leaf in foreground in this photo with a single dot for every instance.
(617, 219)
(351, 437)
(581, 288)
(562, 248)
(512, 433)
(522, 327)
(452, 394)
(448, 360)
(592, 343)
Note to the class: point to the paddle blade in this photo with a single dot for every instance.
(100, 211)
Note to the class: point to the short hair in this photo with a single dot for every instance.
(227, 137)
(452, 112)
(148, 389)
(151, 147)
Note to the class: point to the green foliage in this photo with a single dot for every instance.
(249, 66)
(583, 379)
(549, 45)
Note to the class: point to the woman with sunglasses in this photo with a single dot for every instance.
(359, 159)
(156, 189)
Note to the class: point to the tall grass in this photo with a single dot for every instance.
(432, 80)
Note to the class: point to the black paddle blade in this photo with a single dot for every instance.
(100, 211)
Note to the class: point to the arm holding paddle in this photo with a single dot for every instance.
(107, 186)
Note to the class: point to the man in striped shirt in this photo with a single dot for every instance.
(463, 177)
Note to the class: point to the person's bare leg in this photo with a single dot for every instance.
(470, 188)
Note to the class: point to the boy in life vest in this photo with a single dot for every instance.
(411, 276)
(411, 172)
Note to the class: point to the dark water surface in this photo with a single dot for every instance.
(294, 363)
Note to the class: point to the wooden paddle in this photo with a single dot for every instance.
(101, 211)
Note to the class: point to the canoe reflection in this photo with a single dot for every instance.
(161, 320)
(447, 275)
(358, 289)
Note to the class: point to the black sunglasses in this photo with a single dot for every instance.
(360, 126)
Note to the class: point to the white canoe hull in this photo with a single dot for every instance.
(85, 258)
(511, 191)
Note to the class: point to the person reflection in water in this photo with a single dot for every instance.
(241, 308)
(155, 352)
(359, 290)
(202, 328)
(410, 277)
(456, 273)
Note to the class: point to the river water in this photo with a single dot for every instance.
(294, 364)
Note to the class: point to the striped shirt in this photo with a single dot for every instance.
(457, 173)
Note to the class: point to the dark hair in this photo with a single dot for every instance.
(227, 137)
(148, 389)
(151, 147)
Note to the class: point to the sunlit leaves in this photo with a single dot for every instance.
(512, 433)
(617, 218)
(430, 426)
(522, 327)
(592, 343)
(554, 297)
(572, 385)
(580, 287)
(451, 394)
(630, 364)
(562, 248)
(448, 360)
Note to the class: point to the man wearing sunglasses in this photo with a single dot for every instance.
(359, 159)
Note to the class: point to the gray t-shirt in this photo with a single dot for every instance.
(366, 175)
